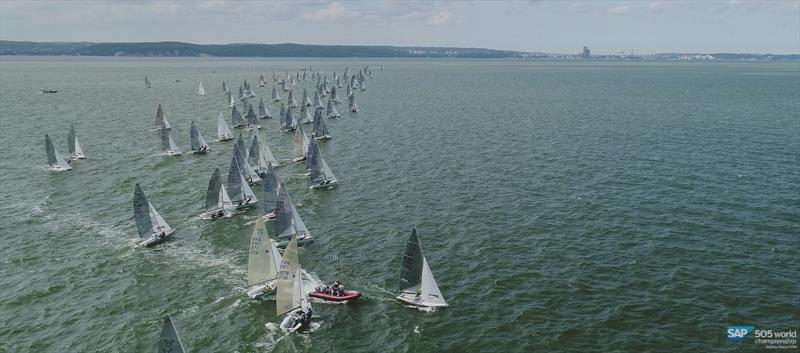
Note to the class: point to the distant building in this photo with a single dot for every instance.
(585, 54)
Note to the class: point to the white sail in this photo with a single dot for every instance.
(417, 285)
(78, 150)
(74, 150)
(223, 132)
(264, 259)
(146, 82)
(225, 202)
(159, 224)
(275, 96)
(288, 296)
(248, 192)
(200, 89)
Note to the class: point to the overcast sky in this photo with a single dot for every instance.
(559, 27)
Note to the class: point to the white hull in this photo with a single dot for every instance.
(173, 153)
(257, 290)
(251, 203)
(153, 240)
(323, 138)
(208, 215)
(324, 186)
(76, 156)
(411, 298)
(59, 168)
(269, 216)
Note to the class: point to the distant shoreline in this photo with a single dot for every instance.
(291, 50)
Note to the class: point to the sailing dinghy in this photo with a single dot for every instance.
(263, 262)
(223, 132)
(290, 100)
(291, 299)
(352, 103)
(168, 145)
(305, 101)
(239, 192)
(263, 112)
(300, 142)
(146, 82)
(417, 285)
(251, 118)
(259, 156)
(198, 143)
(289, 124)
(200, 89)
(320, 128)
(320, 173)
(287, 221)
(240, 153)
(269, 193)
(305, 115)
(54, 160)
(218, 203)
(330, 110)
(169, 342)
(149, 223)
(74, 150)
(275, 96)
(236, 118)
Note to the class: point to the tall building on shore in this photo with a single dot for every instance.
(585, 54)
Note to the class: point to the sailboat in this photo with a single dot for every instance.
(251, 118)
(149, 223)
(225, 88)
(146, 82)
(263, 263)
(198, 143)
(305, 101)
(239, 192)
(290, 100)
(74, 150)
(275, 96)
(240, 153)
(54, 160)
(352, 102)
(218, 203)
(283, 86)
(291, 299)
(241, 93)
(331, 110)
(168, 145)
(334, 97)
(229, 99)
(320, 173)
(259, 154)
(161, 119)
(236, 118)
(349, 92)
(261, 81)
(305, 115)
(263, 112)
(269, 193)
(287, 220)
(289, 124)
(223, 132)
(300, 143)
(318, 101)
(170, 342)
(361, 86)
(417, 285)
(200, 89)
(320, 129)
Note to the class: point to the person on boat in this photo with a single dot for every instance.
(337, 289)
(240, 202)
(162, 235)
(248, 199)
(220, 213)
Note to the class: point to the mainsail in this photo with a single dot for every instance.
(321, 129)
(213, 191)
(353, 106)
(275, 96)
(252, 119)
(300, 143)
(289, 123)
(287, 220)
(169, 342)
(73, 146)
(200, 89)
(168, 145)
(141, 212)
(305, 101)
(331, 110)
(317, 167)
(146, 82)
(269, 191)
(264, 260)
(291, 101)
(236, 118)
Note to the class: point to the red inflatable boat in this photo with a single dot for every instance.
(348, 295)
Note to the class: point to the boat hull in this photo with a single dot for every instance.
(152, 241)
(262, 289)
(410, 298)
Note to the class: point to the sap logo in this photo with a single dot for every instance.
(736, 333)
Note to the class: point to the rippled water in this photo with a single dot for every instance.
(562, 206)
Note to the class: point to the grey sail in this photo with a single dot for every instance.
(411, 265)
(236, 118)
(269, 191)
(320, 129)
(194, 137)
(289, 123)
(241, 146)
(169, 342)
(225, 88)
(282, 115)
(71, 137)
(252, 119)
(212, 193)
(334, 96)
(305, 115)
(353, 105)
(51, 151)
(161, 118)
(234, 185)
(275, 96)
(141, 212)
(146, 82)
(165, 145)
(317, 167)
(305, 101)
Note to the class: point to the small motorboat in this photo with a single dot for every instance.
(347, 295)
(49, 91)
